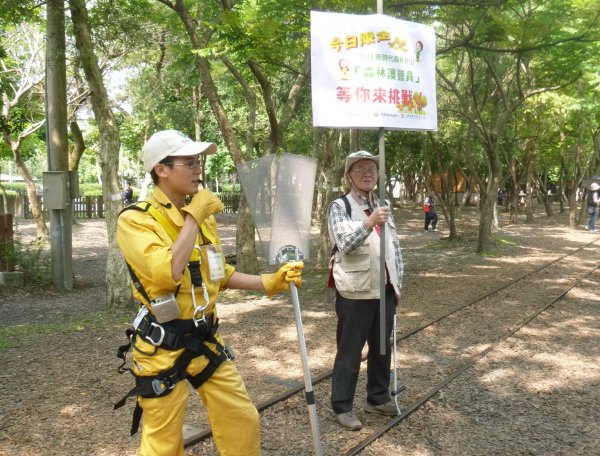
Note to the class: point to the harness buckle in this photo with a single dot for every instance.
(159, 386)
(202, 319)
(229, 355)
(148, 337)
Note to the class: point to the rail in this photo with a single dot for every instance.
(202, 435)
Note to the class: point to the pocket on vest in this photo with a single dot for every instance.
(353, 273)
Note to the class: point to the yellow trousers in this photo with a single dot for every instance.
(233, 418)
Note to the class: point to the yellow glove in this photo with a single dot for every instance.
(280, 280)
(203, 204)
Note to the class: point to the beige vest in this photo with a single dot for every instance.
(356, 274)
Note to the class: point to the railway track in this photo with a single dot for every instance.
(501, 313)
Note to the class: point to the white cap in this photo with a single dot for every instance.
(360, 155)
(594, 186)
(172, 143)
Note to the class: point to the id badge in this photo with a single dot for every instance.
(216, 262)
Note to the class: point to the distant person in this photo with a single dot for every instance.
(593, 203)
(501, 197)
(128, 195)
(354, 224)
(430, 214)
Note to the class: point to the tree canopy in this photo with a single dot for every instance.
(518, 89)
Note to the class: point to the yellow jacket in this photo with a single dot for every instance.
(146, 246)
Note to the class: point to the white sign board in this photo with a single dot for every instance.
(372, 71)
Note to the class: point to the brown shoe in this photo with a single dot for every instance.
(387, 409)
(349, 421)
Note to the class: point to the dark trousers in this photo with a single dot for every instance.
(430, 217)
(358, 322)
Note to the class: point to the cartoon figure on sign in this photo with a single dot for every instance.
(418, 50)
(344, 68)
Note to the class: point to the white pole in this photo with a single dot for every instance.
(382, 312)
(382, 319)
(396, 390)
(310, 395)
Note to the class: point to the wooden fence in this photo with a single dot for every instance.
(93, 206)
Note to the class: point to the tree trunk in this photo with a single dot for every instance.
(447, 179)
(34, 202)
(544, 195)
(488, 197)
(322, 181)
(467, 195)
(561, 189)
(572, 208)
(117, 277)
(486, 216)
(330, 170)
(528, 198)
(513, 191)
(76, 152)
(527, 159)
(4, 199)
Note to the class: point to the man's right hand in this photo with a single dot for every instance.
(203, 204)
(379, 216)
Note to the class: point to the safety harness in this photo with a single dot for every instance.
(190, 335)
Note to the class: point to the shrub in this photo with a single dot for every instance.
(28, 258)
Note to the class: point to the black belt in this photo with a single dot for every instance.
(174, 334)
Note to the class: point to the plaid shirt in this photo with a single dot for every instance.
(349, 234)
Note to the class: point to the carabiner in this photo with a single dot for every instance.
(199, 309)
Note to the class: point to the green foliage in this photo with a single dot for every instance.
(17, 11)
(90, 189)
(476, 44)
(219, 165)
(13, 188)
(266, 31)
(28, 258)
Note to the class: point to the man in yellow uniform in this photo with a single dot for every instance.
(173, 252)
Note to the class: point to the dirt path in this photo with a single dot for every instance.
(536, 394)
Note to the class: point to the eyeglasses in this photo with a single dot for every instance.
(364, 171)
(190, 164)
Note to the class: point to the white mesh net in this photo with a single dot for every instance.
(280, 193)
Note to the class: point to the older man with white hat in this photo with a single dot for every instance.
(354, 223)
(172, 247)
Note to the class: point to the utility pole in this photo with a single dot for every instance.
(57, 182)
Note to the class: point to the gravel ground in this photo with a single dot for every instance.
(536, 393)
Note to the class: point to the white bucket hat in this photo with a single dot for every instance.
(360, 155)
(172, 143)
